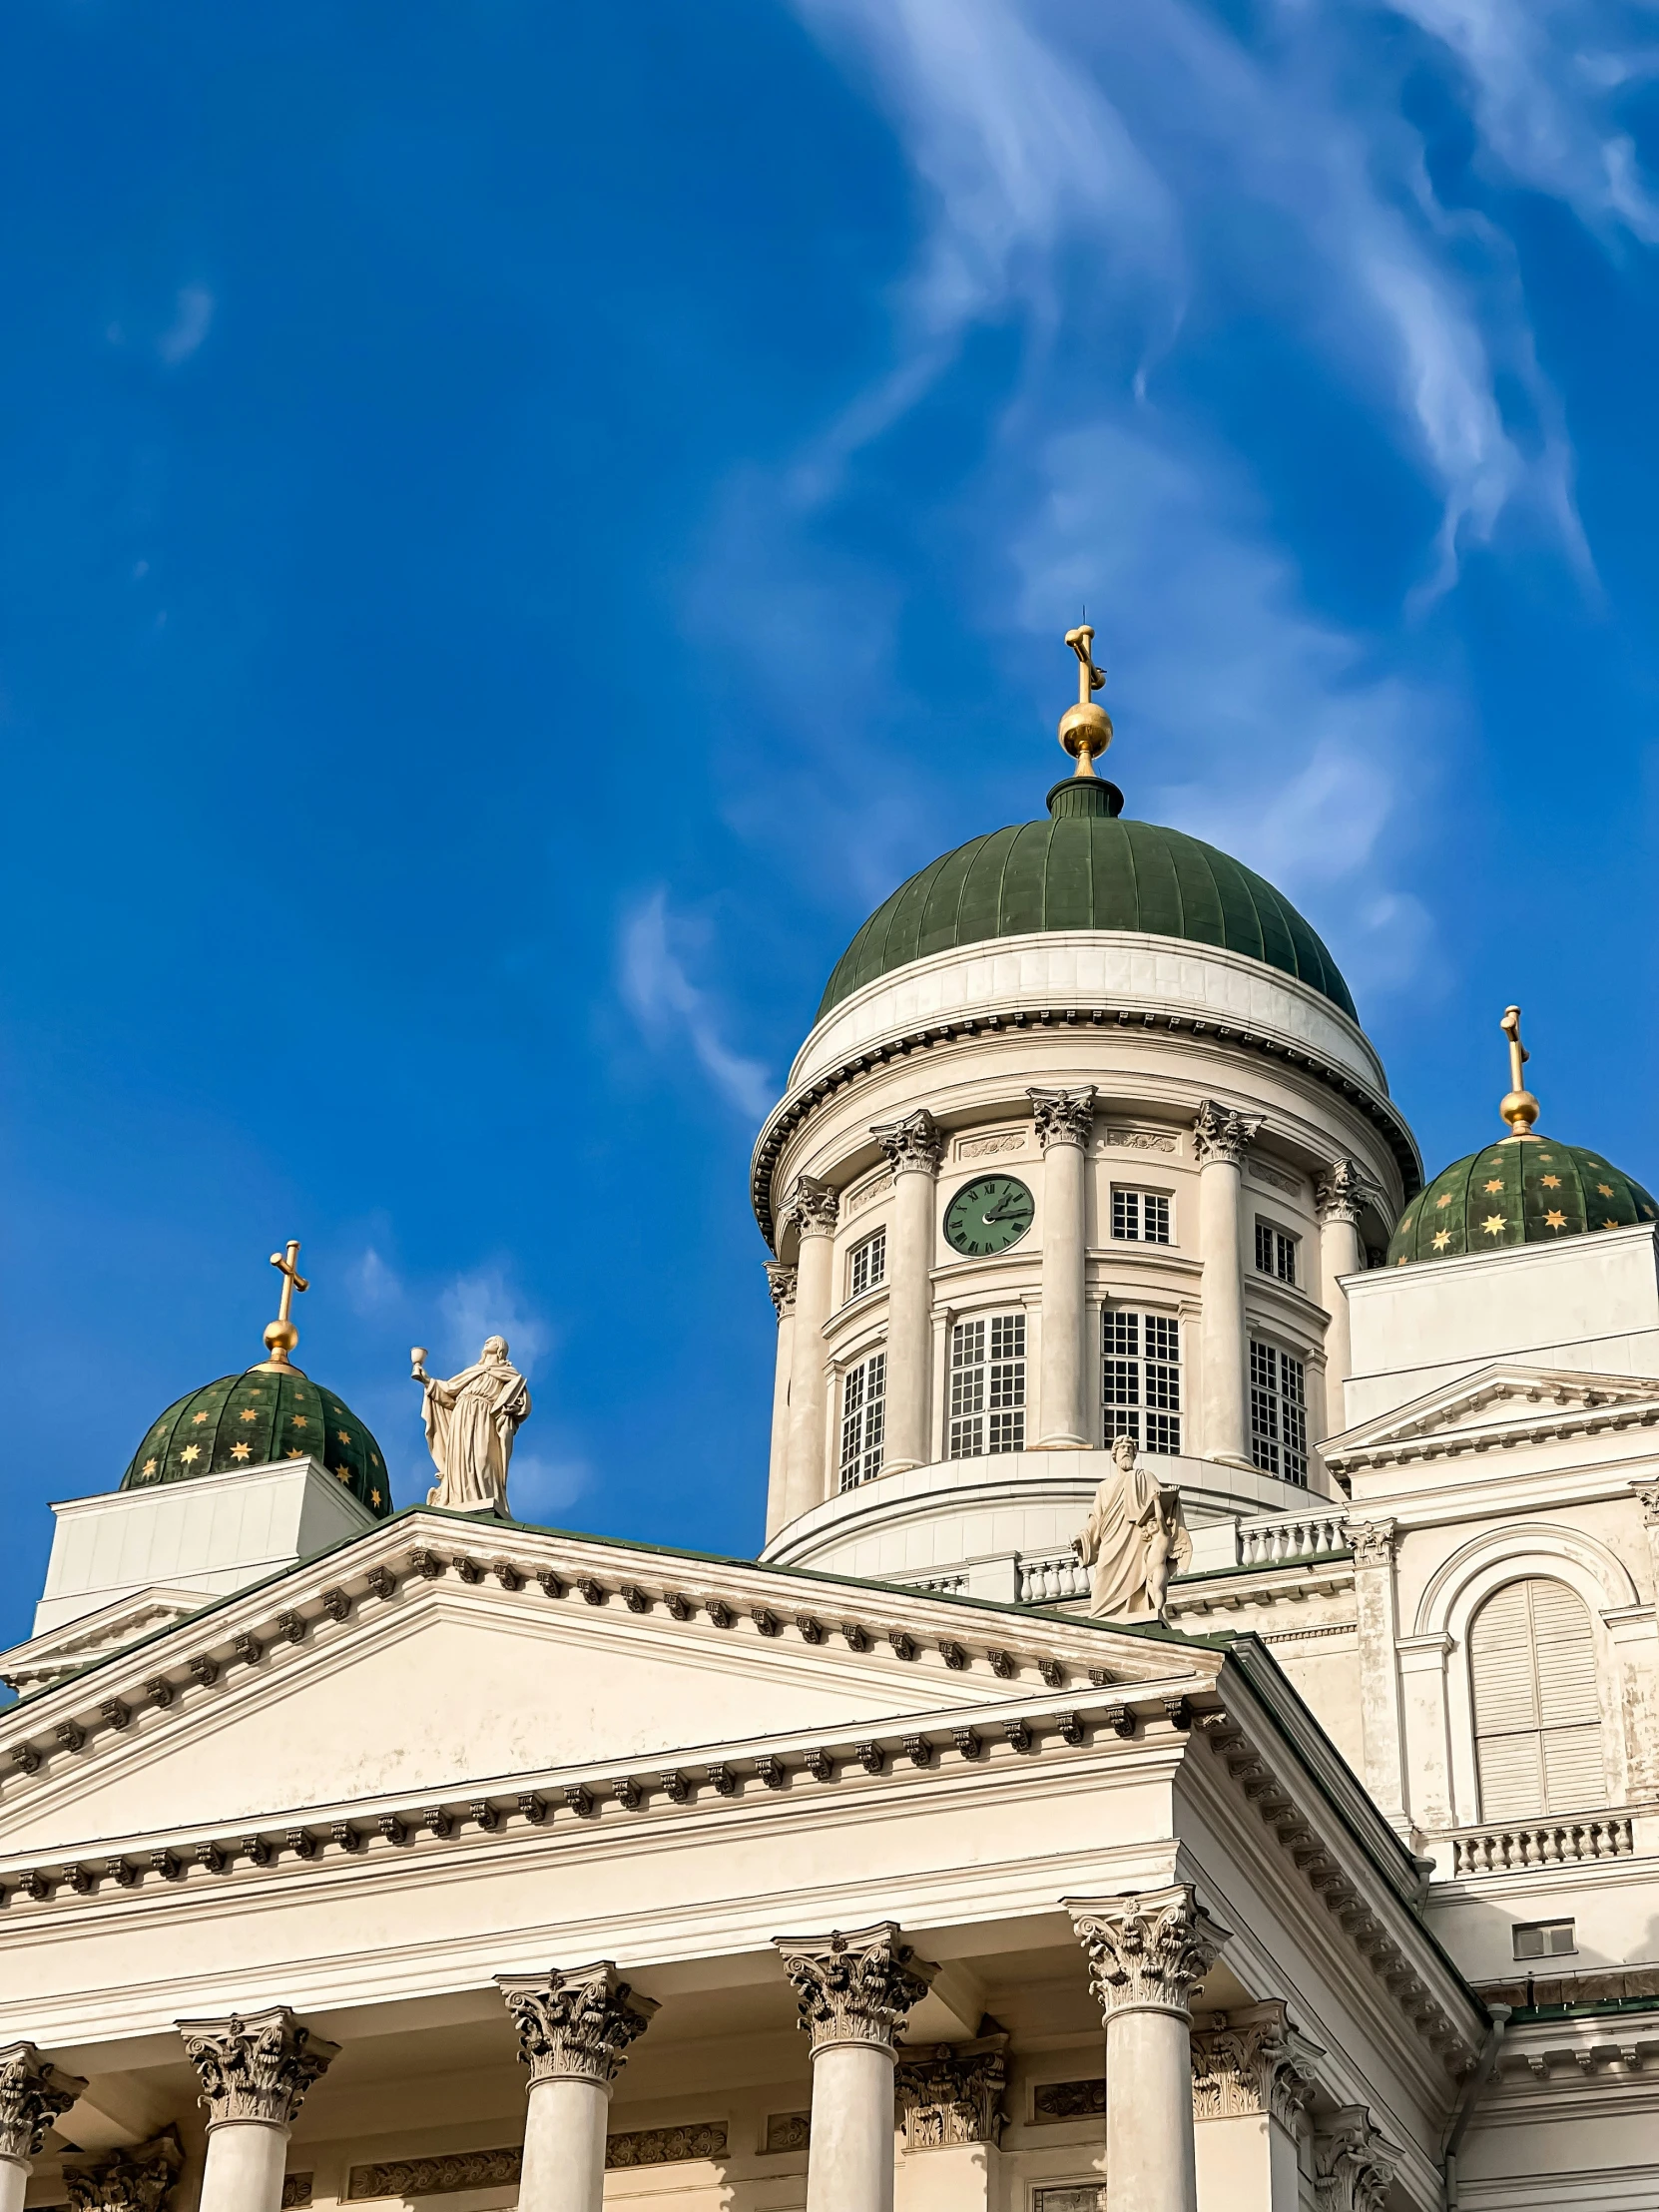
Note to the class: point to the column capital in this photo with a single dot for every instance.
(813, 1206)
(1253, 2061)
(1341, 1192)
(137, 2180)
(33, 2093)
(254, 2065)
(1646, 1495)
(1220, 1134)
(1353, 2162)
(1372, 1542)
(912, 1144)
(857, 1988)
(575, 2027)
(951, 2092)
(780, 1282)
(1063, 1117)
(1147, 1951)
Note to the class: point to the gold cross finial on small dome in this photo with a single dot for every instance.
(1518, 1107)
(1085, 730)
(280, 1334)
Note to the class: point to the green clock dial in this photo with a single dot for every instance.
(989, 1215)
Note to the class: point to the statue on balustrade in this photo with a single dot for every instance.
(1134, 1539)
(471, 1421)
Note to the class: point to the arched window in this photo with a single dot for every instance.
(1537, 1712)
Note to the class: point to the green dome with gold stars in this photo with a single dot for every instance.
(247, 1420)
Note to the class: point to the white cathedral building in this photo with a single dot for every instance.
(352, 1857)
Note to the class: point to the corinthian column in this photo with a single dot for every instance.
(574, 2031)
(815, 1208)
(1064, 1120)
(254, 2070)
(1147, 1953)
(1353, 2162)
(1253, 2081)
(1338, 1196)
(912, 1149)
(855, 1992)
(780, 1282)
(1221, 1136)
(33, 2093)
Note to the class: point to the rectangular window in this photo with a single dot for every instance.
(867, 1266)
(1545, 1940)
(863, 1420)
(1141, 1378)
(1275, 1252)
(987, 1385)
(1140, 1217)
(1277, 1414)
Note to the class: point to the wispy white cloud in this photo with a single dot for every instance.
(370, 1285)
(667, 1005)
(484, 1304)
(540, 1485)
(191, 320)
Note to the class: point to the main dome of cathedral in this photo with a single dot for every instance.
(248, 1420)
(1086, 868)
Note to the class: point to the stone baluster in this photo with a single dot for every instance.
(1253, 2080)
(913, 1147)
(854, 1991)
(255, 2069)
(1064, 1120)
(1339, 1197)
(780, 1282)
(1147, 1953)
(1220, 1137)
(814, 1210)
(137, 2180)
(574, 2034)
(33, 2093)
(1353, 2162)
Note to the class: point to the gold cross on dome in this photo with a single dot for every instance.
(1089, 678)
(1518, 1108)
(280, 1334)
(1518, 1054)
(286, 1265)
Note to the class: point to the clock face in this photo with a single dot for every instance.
(989, 1215)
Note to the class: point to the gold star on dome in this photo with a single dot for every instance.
(248, 1414)
(345, 1473)
(196, 1419)
(190, 1453)
(149, 1466)
(293, 1453)
(1496, 1184)
(1442, 1237)
(241, 1451)
(1492, 1224)
(297, 1420)
(372, 1460)
(343, 1435)
(1550, 1182)
(1609, 1225)
(1445, 1199)
(1606, 1189)
(1553, 1220)
(375, 1498)
(1403, 1261)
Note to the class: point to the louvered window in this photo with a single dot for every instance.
(1537, 1711)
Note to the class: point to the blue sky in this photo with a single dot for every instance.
(520, 524)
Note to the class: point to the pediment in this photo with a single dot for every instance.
(433, 1656)
(1499, 1399)
(90, 1636)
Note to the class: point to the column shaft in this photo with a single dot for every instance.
(850, 2163)
(564, 2146)
(1337, 1198)
(255, 2069)
(1149, 2075)
(1221, 1137)
(1064, 1120)
(781, 1283)
(575, 2029)
(815, 1208)
(14, 2183)
(245, 2166)
(913, 1147)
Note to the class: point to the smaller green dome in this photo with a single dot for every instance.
(1521, 1190)
(247, 1420)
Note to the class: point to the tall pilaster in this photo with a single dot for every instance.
(1353, 2162)
(780, 1282)
(913, 1148)
(1147, 1953)
(1253, 2080)
(1377, 1627)
(815, 1208)
(33, 2093)
(1339, 1197)
(1064, 1120)
(1220, 1137)
(573, 2034)
(854, 1991)
(255, 2069)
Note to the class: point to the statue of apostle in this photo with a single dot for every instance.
(1133, 1540)
(470, 1424)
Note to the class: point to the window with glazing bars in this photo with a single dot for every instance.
(867, 1266)
(1275, 1251)
(987, 1385)
(1277, 1414)
(863, 1420)
(1140, 1217)
(1141, 1378)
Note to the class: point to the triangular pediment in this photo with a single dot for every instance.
(91, 1636)
(1498, 1400)
(435, 1656)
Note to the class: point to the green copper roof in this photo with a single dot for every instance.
(1521, 1189)
(1086, 870)
(247, 1420)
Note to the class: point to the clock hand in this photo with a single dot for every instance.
(1001, 1213)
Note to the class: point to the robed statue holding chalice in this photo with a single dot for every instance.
(471, 1421)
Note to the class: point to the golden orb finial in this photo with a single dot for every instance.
(1518, 1107)
(280, 1334)
(1085, 730)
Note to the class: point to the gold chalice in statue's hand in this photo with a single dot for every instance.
(418, 1363)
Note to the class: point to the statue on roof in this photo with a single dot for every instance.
(1133, 1540)
(471, 1421)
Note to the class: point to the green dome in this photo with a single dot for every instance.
(1521, 1189)
(1086, 869)
(247, 1420)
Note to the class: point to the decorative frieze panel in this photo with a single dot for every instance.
(1139, 1137)
(576, 2026)
(297, 2191)
(256, 2068)
(865, 1194)
(992, 1145)
(453, 2171)
(33, 2093)
(666, 2146)
(857, 1988)
(788, 2131)
(137, 2180)
(1275, 1179)
(951, 2093)
(1070, 2196)
(1069, 2100)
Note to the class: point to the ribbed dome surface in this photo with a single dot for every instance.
(247, 1420)
(1086, 872)
(1528, 1190)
